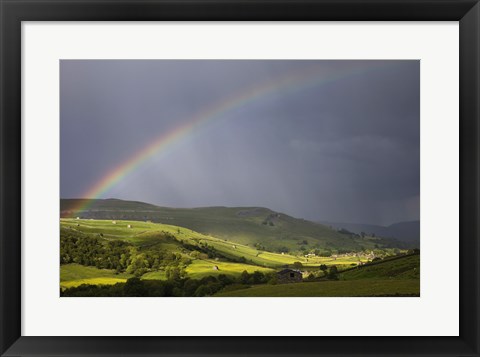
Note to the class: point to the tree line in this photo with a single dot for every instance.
(123, 257)
(174, 286)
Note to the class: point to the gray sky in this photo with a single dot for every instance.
(342, 146)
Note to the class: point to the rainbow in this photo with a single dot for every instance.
(300, 80)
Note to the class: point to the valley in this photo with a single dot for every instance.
(220, 251)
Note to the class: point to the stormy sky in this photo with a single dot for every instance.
(327, 140)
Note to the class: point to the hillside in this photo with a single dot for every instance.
(354, 288)
(407, 267)
(398, 276)
(133, 258)
(183, 241)
(256, 227)
(107, 252)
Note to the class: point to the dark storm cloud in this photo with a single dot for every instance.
(346, 150)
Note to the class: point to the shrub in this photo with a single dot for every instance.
(297, 265)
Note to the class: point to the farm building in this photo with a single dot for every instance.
(289, 276)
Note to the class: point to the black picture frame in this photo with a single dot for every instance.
(13, 12)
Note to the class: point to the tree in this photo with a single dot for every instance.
(326, 253)
(323, 267)
(283, 249)
(174, 273)
(190, 287)
(225, 279)
(244, 277)
(273, 280)
(135, 287)
(258, 277)
(202, 290)
(195, 254)
(259, 246)
(332, 273)
(138, 265)
(297, 265)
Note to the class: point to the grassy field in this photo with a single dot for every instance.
(155, 275)
(139, 233)
(331, 288)
(403, 268)
(72, 275)
(146, 234)
(243, 225)
(202, 268)
(389, 277)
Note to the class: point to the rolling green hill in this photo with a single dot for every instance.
(407, 267)
(354, 288)
(108, 253)
(393, 277)
(251, 226)
(197, 254)
(180, 240)
(201, 268)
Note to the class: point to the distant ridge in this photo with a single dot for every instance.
(408, 232)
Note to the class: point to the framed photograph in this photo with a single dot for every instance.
(239, 178)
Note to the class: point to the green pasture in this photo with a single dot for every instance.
(116, 230)
(155, 275)
(201, 268)
(352, 288)
(147, 234)
(139, 233)
(72, 275)
(309, 262)
(403, 268)
(235, 251)
(243, 225)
